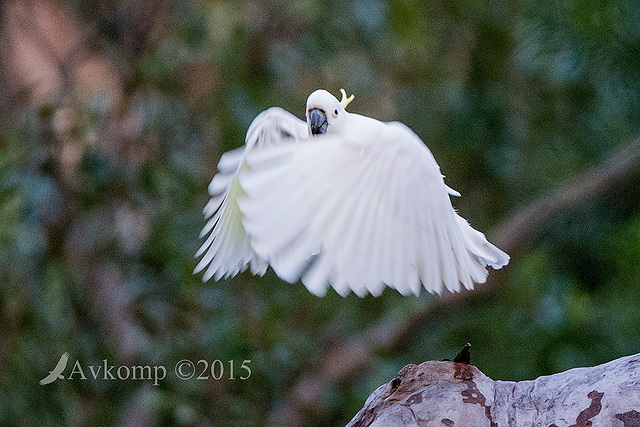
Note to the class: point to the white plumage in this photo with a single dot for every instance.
(341, 200)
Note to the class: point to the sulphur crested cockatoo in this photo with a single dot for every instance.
(340, 200)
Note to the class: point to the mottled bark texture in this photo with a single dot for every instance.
(447, 394)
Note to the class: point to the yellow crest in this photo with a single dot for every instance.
(345, 101)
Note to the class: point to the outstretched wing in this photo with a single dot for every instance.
(361, 216)
(227, 249)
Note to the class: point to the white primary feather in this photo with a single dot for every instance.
(360, 208)
(227, 249)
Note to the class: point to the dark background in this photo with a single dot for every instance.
(113, 115)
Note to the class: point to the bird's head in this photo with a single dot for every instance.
(325, 113)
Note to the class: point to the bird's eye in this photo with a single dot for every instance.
(335, 112)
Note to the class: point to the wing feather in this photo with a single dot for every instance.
(227, 249)
(361, 217)
(350, 234)
(373, 276)
(428, 262)
(292, 201)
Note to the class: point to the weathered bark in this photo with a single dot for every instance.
(447, 394)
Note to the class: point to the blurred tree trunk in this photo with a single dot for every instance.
(454, 394)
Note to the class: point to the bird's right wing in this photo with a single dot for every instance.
(227, 249)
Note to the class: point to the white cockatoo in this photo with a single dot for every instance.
(340, 200)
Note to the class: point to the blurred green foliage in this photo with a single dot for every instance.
(96, 253)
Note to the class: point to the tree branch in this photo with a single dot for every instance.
(448, 394)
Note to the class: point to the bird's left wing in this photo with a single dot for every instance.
(360, 215)
(227, 249)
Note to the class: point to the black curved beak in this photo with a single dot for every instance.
(318, 121)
